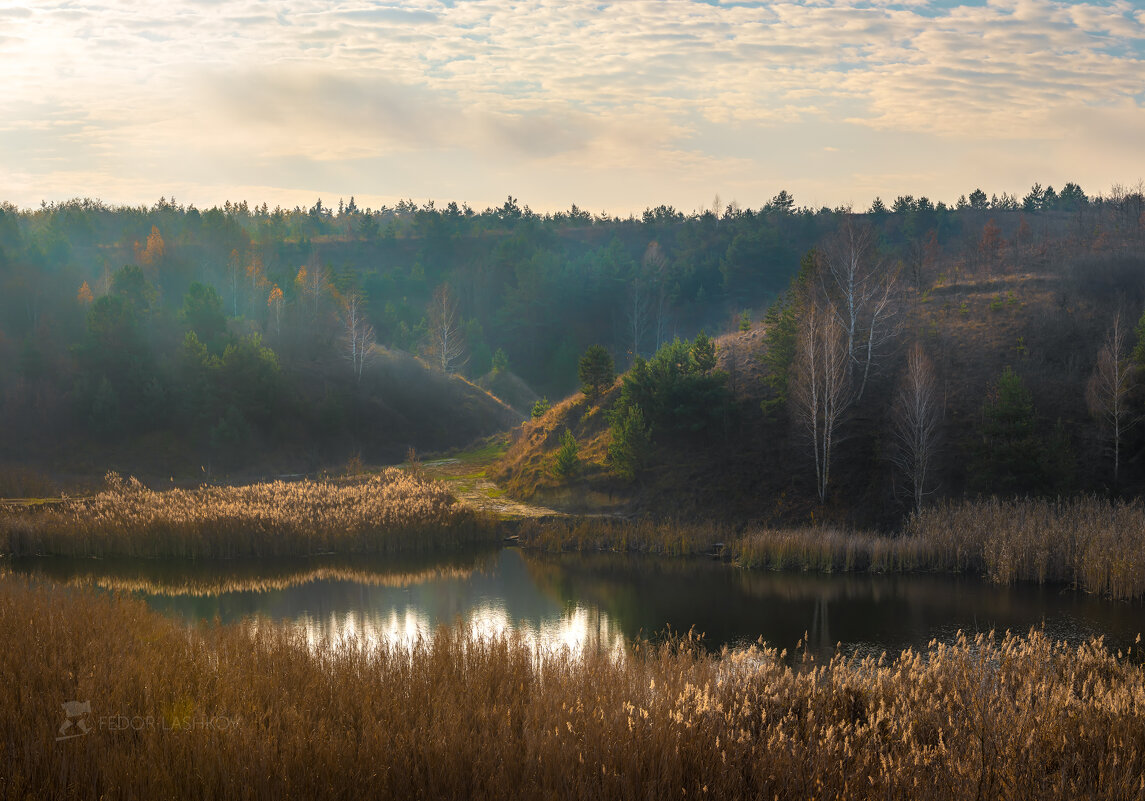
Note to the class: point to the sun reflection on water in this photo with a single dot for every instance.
(578, 630)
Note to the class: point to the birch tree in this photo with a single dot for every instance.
(446, 333)
(234, 267)
(820, 391)
(915, 424)
(864, 295)
(358, 335)
(1107, 393)
(655, 265)
(637, 312)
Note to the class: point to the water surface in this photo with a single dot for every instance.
(598, 599)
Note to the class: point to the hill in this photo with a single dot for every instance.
(1043, 316)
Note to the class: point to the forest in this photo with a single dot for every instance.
(168, 339)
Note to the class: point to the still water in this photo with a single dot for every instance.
(598, 599)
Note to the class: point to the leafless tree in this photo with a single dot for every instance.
(358, 335)
(820, 392)
(655, 264)
(637, 312)
(881, 326)
(234, 267)
(1107, 393)
(313, 282)
(863, 291)
(915, 424)
(446, 336)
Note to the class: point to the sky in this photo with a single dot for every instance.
(613, 106)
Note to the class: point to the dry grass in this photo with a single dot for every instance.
(389, 512)
(1095, 545)
(255, 712)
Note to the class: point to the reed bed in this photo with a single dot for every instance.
(386, 513)
(1093, 544)
(1097, 545)
(255, 712)
(830, 550)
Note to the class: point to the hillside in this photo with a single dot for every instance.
(322, 419)
(179, 342)
(1044, 317)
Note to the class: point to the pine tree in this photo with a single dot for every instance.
(596, 372)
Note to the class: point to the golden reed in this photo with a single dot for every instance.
(241, 712)
(1093, 544)
(389, 512)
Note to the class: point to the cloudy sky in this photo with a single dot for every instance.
(610, 105)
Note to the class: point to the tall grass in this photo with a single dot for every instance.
(1093, 544)
(389, 512)
(1097, 545)
(255, 712)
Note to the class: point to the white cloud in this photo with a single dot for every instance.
(606, 89)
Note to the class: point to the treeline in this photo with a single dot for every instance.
(240, 327)
(1011, 362)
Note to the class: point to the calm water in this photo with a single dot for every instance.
(577, 599)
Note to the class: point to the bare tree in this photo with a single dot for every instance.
(881, 326)
(313, 283)
(234, 266)
(358, 335)
(915, 424)
(446, 336)
(1107, 393)
(655, 264)
(637, 312)
(820, 391)
(864, 295)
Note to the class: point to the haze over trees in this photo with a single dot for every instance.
(229, 331)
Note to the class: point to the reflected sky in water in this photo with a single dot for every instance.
(597, 600)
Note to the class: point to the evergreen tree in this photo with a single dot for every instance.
(566, 455)
(1010, 453)
(631, 443)
(704, 353)
(596, 371)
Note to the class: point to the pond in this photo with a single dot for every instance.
(599, 599)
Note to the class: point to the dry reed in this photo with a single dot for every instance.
(1093, 544)
(255, 712)
(389, 512)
